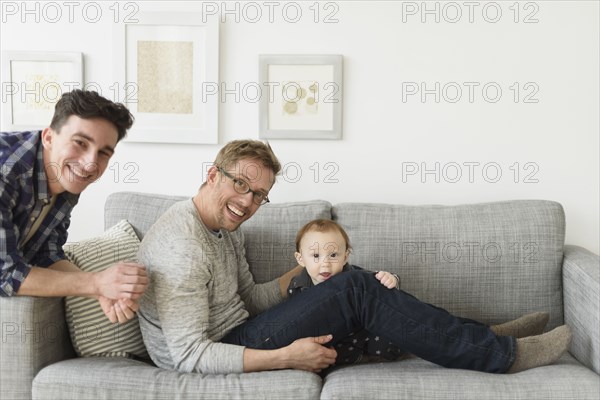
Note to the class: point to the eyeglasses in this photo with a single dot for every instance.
(242, 187)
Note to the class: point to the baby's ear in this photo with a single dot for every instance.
(299, 258)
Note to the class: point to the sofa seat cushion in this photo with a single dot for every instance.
(491, 262)
(419, 379)
(120, 378)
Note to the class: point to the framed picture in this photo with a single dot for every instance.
(32, 84)
(302, 96)
(163, 62)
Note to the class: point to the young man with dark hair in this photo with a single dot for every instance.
(42, 175)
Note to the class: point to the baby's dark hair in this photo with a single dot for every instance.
(322, 225)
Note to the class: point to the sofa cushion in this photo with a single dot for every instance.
(419, 379)
(92, 334)
(119, 378)
(271, 234)
(491, 262)
(34, 334)
(581, 288)
(140, 209)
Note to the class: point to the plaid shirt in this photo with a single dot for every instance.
(23, 194)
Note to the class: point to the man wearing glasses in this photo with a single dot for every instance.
(195, 314)
(201, 286)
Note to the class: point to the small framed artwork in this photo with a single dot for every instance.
(32, 84)
(302, 96)
(162, 63)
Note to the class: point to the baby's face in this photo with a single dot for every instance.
(323, 254)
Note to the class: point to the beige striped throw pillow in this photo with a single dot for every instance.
(91, 332)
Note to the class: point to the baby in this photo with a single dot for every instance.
(323, 248)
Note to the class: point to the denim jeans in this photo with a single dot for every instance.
(356, 299)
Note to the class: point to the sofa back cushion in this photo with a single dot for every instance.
(140, 209)
(490, 262)
(269, 234)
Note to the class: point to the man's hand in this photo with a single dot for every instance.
(310, 354)
(124, 280)
(386, 279)
(121, 310)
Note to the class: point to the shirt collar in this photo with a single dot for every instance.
(39, 174)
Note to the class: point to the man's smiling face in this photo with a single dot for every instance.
(78, 154)
(230, 208)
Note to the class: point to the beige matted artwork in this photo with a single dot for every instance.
(163, 62)
(164, 77)
(302, 97)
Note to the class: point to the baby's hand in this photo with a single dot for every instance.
(388, 280)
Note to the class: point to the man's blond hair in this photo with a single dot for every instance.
(237, 150)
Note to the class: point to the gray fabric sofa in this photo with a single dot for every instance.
(491, 262)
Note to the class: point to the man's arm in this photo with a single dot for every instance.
(63, 278)
(53, 275)
(257, 297)
(308, 354)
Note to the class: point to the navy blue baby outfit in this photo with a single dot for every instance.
(361, 343)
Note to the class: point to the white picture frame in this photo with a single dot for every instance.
(33, 81)
(302, 96)
(163, 63)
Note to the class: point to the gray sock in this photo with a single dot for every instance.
(527, 325)
(537, 351)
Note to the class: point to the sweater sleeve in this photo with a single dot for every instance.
(256, 297)
(180, 282)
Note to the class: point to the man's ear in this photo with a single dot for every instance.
(47, 136)
(211, 177)
(299, 259)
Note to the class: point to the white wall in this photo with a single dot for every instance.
(384, 135)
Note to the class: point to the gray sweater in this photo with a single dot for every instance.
(200, 288)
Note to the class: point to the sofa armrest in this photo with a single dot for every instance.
(34, 335)
(581, 289)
